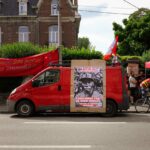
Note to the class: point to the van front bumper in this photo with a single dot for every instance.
(11, 106)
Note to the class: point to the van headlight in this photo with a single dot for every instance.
(13, 91)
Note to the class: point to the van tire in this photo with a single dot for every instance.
(24, 108)
(111, 109)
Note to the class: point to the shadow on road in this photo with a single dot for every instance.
(87, 117)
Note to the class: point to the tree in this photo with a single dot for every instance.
(134, 35)
(84, 42)
(146, 56)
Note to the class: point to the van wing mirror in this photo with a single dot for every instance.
(35, 83)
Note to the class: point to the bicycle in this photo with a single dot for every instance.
(142, 105)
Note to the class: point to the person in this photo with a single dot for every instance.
(127, 84)
(145, 85)
(89, 92)
(140, 77)
(133, 87)
(87, 81)
(115, 61)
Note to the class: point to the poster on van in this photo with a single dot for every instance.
(88, 86)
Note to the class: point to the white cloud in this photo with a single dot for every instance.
(98, 26)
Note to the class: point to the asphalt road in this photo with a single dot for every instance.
(126, 131)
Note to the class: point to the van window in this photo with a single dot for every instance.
(48, 77)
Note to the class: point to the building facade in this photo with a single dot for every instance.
(43, 22)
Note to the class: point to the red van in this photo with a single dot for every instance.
(49, 91)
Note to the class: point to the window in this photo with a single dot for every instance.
(54, 7)
(51, 76)
(22, 8)
(53, 35)
(23, 34)
(0, 36)
(1, 6)
(47, 78)
(73, 2)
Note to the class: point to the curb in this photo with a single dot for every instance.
(3, 110)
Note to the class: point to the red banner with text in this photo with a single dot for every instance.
(28, 65)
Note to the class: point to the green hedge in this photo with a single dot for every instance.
(18, 50)
(125, 58)
(75, 53)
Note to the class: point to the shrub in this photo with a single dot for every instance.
(75, 53)
(146, 56)
(18, 50)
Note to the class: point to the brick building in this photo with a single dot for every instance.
(37, 21)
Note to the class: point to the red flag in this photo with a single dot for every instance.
(112, 49)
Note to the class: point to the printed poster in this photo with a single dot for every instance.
(88, 86)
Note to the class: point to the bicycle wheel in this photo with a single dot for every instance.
(142, 106)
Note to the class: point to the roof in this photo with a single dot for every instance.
(10, 7)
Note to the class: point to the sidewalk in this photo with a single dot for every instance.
(3, 109)
(131, 109)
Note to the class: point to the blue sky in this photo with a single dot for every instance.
(98, 26)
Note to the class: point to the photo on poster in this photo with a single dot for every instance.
(88, 87)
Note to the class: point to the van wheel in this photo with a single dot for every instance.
(111, 109)
(24, 109)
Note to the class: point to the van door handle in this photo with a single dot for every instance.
(59, 87)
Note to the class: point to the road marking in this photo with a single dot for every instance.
(142, 114)
(48, 122)
(45, 146)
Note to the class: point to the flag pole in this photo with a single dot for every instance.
(59, 32)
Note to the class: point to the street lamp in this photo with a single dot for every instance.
(59, 31)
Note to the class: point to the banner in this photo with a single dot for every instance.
(112, 50)
(28, 65)
(88, 86)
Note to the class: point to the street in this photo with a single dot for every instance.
(126, 131)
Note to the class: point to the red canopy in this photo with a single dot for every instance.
(28, 65)
(147, 65)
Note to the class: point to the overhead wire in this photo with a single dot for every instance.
(104, 12)
(131, 4)
(107, 12)
(106, 7)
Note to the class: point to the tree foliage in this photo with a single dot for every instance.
(134, 34)
(146, 56)
(84, 42)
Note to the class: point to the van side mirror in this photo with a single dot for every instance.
(35, 83)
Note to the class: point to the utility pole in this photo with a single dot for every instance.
(59, 32)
